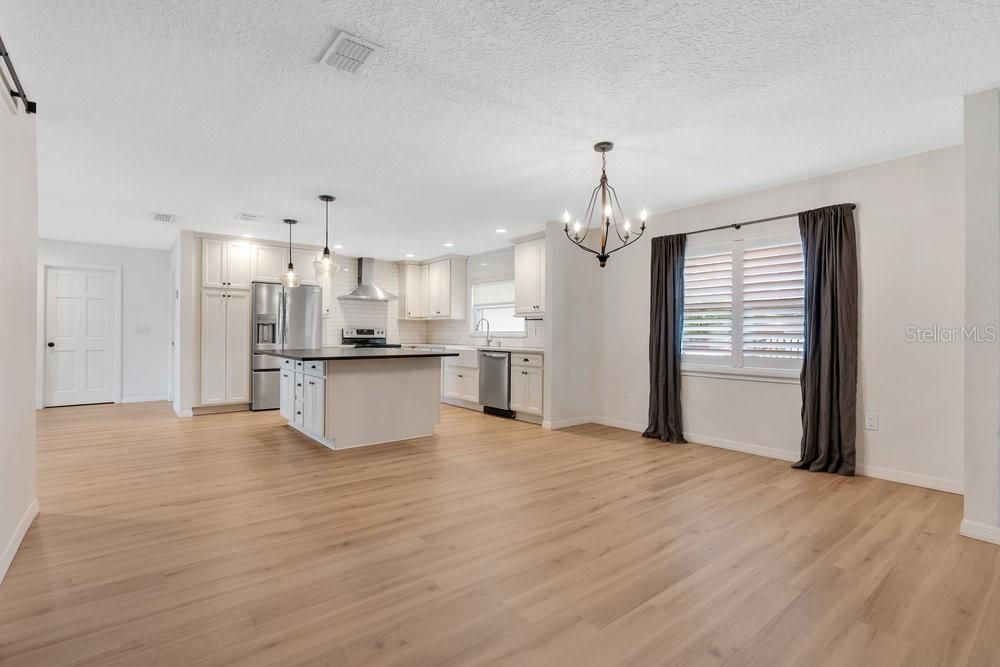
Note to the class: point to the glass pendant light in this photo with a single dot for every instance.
(325, 265)
(290, 278)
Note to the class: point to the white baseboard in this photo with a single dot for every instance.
(7, 556)
(566, 423)
(184, 413)
(619, 423)
(911, 478)
(980, 531)
(144, 398)
(745, 447)
(878, 472)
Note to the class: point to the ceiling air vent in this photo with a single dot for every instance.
(167, 218)
(348, 53)
(247, 217)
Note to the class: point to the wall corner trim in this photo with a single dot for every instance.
(980, 531)
(7, 556)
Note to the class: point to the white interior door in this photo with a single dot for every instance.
(80, 318)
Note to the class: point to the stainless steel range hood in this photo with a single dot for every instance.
(367, 290)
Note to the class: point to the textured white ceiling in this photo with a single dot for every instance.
(477, 115)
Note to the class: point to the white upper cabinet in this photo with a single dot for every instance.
(436, 290)
(269, 263)
(303, 260)
(529, 277)
(413, 292)
(213, 263)
(238, 265)
(225, 264)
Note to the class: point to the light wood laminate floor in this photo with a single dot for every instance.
(229, 538)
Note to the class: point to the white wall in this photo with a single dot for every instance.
(982, 307)
(911, 253)
(18, 238)
(492, 266)
(574, 343)
(145, 303)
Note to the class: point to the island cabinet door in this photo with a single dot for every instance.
(314, 405)
(286, 400)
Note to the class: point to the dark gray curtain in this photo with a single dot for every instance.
(666, 323)
(830, 358)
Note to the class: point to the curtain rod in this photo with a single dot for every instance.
(737, 225)
(18, 92)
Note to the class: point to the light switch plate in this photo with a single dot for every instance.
(871, 421)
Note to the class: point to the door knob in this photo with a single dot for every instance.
(52, 344)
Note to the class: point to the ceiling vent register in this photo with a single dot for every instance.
(166, 218)
(348, 52)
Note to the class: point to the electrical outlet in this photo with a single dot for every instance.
(871, 421)
(624, 391)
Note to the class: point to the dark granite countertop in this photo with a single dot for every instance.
(340, 353)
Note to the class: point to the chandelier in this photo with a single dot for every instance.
(607, 219)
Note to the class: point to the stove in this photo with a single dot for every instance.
(366, 338)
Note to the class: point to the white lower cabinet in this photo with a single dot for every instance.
(461, 382)
(526, 384)
(225, 347)
(303, 401)
(314, 404)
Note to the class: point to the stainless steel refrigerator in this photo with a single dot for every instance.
(282, 317)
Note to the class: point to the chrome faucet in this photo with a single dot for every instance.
(489, 338)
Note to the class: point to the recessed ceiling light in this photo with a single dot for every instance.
(449, 244)
(501, 231)
(410, 254)
(337, 247)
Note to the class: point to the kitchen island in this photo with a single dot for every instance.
(351, 397)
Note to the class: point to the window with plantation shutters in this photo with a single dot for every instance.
(708, 307)
(743, 302)
(773, 284)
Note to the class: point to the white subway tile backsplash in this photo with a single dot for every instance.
(362, 314)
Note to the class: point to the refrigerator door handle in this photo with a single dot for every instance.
(283, 316)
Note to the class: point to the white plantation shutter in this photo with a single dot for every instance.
(744, 302)
(708, 307)
(773, 291)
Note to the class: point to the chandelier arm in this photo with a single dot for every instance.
(579, 244)
(588, 216)
(626, 244)
(614, 194)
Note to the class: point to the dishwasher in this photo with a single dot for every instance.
(494, 383)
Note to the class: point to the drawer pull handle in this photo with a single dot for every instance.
(312, 383)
